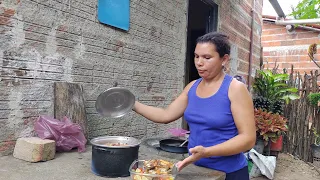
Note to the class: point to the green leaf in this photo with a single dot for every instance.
(314, 98)
(293, 90)
(280, 85)
(281, 77)
(289, 97)
(268, 73)
(306, 9)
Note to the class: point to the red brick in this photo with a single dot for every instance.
(271, 43)
(246, 7)
(308, 35)
(275, 59)
(256, 60)
(269, 65)
(266, 38)
(297, 52)
(291, 58)
(317, 56)
(269, 26)
(303, 71)
(291, 36)
(307, 65)
(313, 40)
(268, 59)
(285, 65)
(9, 12)
(304, 58)
(242, 54)
(4, 20)
(275, 31)
(287, 43)
(266, 53)
(244, 67)
(277, 43)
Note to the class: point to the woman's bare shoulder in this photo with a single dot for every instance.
(188, 86)
(237, 88)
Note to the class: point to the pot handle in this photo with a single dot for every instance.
(157, 145)
(104, 149)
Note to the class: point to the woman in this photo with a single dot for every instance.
(218, 109)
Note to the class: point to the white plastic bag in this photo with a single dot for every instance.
(265, 164)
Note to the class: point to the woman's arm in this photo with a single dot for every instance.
(243, 114)
(159, 115)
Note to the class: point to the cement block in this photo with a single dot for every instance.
(34, 149)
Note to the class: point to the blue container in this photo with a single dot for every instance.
(115, 13)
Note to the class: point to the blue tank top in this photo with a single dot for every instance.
(211, 122)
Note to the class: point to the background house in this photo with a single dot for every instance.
(286, 47)
(43, 42)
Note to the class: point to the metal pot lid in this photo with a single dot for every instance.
(106, 141)
(115, 102)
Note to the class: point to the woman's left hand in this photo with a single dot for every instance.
(197, 153)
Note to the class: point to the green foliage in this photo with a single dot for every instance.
(264, 104)
(314, 98)
(306, 9)
(273, 87)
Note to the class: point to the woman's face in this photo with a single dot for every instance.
(207, 60)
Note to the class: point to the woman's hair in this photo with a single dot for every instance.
(220, 40)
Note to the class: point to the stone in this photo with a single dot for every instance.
(34, 149)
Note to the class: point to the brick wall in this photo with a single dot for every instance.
(46, 41)
(235, 20)
(288, 48)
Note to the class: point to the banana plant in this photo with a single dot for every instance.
(273, 87)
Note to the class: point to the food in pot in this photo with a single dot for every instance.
(156, 167)
(116, 144)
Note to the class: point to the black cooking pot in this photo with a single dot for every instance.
(113, 161)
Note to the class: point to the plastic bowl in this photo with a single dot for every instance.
(144, 176)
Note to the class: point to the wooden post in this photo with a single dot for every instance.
(69, 102)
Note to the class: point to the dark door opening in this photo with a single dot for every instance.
(202, 18)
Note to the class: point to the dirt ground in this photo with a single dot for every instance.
(289, 168)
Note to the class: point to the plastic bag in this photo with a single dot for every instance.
(178, 132)
(264, 165)
(67, 134)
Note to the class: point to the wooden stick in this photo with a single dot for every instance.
(313, 59)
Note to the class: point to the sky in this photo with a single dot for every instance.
(285, 5)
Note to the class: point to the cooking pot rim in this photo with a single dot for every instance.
(136, 142)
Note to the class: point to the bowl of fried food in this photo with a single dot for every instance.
(154, 169)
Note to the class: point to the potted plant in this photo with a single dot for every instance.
(270, 127)
(271, 91)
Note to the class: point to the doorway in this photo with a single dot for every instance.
(202, 18)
